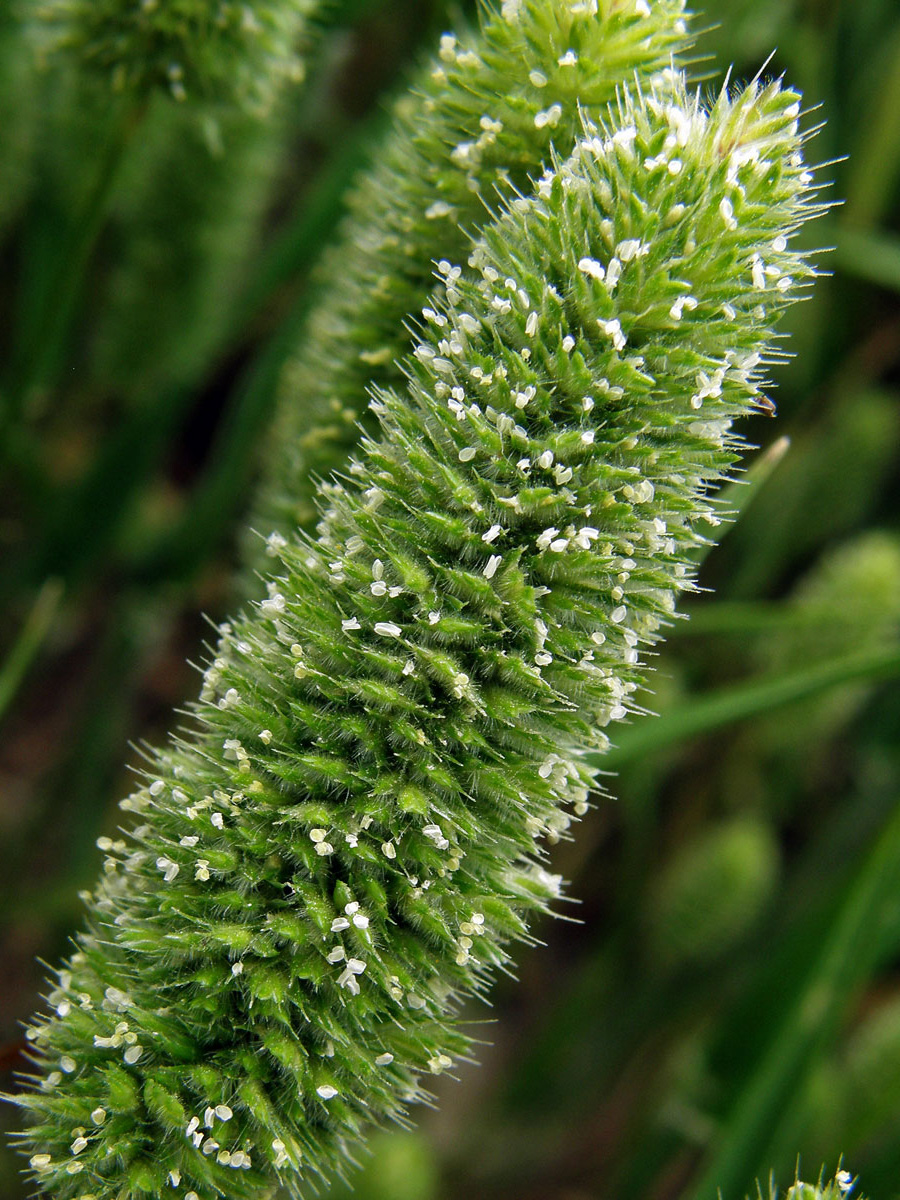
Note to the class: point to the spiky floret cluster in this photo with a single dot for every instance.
(838, 1188)
(356, 831)
(478, 125)
(232, 50)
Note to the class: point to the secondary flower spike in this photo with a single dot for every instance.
(220, 50)
(479, 124)
(355, 831)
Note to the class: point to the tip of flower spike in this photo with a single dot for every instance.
(838, 1188)
(750, 145)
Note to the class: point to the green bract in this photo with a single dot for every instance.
(354, 830)
(233, 50)
(479, 124)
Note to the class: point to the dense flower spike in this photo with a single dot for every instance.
(479, 124)
(357, 830)
(234, 50)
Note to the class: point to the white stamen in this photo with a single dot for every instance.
(590, 266)
(169, 869)
(274, 606)
(613, 330)
(631, 248)
(549, 116)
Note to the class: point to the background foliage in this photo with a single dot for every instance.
(730, 997)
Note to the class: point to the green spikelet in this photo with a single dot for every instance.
(352, 835)
(230, 50)
(479, 124)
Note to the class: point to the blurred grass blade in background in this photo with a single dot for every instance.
(27, 645)
(695, 716)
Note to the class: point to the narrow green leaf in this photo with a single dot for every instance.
(741, 701)
(875, 164)
(28, 644)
